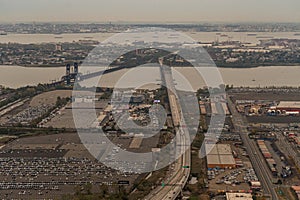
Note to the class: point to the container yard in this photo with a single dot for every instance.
(268, 156)
(202, 108)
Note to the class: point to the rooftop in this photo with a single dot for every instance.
(219, 154)
(224, 149)
(289, 104)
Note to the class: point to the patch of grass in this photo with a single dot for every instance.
(144, 187)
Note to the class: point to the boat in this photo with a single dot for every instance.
(264, 37)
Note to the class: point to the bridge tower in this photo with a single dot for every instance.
(71, 73)
(68, 74)
(76, 68)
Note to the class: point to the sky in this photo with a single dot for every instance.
(150, 11)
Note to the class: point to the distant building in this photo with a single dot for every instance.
(58, 47)
(255, 185)
(288, 107)
(219, 156)
(238, 196)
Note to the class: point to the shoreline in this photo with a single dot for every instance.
(34, 66)
(245, 66)
(185, 31)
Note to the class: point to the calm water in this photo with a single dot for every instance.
(16, 76)
(198, 36)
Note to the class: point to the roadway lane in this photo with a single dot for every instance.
(174, 185)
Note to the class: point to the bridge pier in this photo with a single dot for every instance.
(71, 74)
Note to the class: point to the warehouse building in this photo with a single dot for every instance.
(219, 156)
(288, 107)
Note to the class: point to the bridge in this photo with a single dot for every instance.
(72, 74)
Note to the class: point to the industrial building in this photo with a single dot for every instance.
(238, 196)
(219, 156)
(288, 107)
(255, 185)
(267, 155)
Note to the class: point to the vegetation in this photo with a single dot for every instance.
(143, 186)
(28, 131)
(106, 95)
(198, 165)
(104, 192)
(27, 92)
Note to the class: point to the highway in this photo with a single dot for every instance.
(175, 181)
(258, 162)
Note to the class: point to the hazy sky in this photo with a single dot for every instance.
(150, 10)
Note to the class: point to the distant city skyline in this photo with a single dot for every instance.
(159, 11)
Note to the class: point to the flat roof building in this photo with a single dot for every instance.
(219, 156)
(288, 106)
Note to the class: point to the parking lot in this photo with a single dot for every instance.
(51, 165)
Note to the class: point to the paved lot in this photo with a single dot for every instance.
(49, 166)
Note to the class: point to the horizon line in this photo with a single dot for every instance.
(151, 22)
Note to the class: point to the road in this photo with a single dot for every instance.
(258, 162)
(175, 181)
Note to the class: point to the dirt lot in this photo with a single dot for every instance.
(276, 96)
(146, 145)
(64, 119)
(49, 97)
